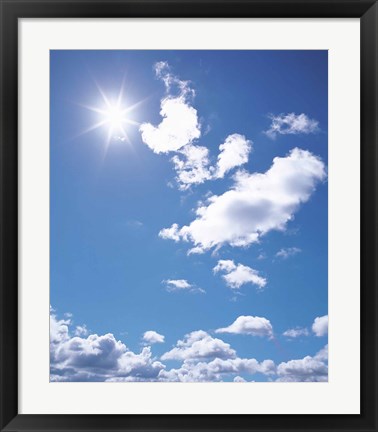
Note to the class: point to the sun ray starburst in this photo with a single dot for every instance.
(113, 114)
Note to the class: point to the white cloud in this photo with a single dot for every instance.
(192, 163)
(322, 355)
(250, 325)
(95, 358)
(171, 233)
(58, 328)
(178, 128)
(172, 83)
(225, 265)
(296, 332)
(267, 367)
(204, 359)
(293, 124)
(152, 337)
(199, 345)
(308, 369)
(216, 370)
(256, 204)
(194, 168)
(320, 326)
(239, 379)
(238, 275)
(181, 285)
(233, 153)
(94, 351)
(288, 252)
(81, 330)
(134, 224)
(180, 125)
(178, 284)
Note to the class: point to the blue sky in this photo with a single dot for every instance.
(191, 204)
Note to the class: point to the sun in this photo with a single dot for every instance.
(113, 115)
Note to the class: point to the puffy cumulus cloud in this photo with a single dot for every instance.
(93, 352)
(250, 325)
(233, 153)
(268, 367)
(192, 166)
(291, 124)
(199, 345)
(288, 252)
(152, 337)
(239, 379)
(58, 328)
(256, 204)
(178, 130)
(296, 332)
(217, 370)
(238, 275)
(172, 285)
(203, 359)
(180, 125)
(320, 326)
(322, 355)
(308, 369)
(192, 163)
(142, 366)
(172, 233)
(95, 358)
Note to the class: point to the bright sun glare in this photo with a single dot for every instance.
(115, 115)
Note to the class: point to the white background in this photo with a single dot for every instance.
(341, 393)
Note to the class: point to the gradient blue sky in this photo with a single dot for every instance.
(109, 203)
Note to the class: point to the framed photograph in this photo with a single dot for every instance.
(188, 215)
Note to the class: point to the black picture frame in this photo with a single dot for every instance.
(11, 11)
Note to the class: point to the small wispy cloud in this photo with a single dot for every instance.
(134, 223)
(291, 124)
(174, 86)
(296, 332)
(120, 138)
(285, 253)
(174, 285)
